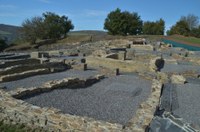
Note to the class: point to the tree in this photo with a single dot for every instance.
(123, 23)
(191, 20)
(3, 44)
(181, 28)
(195, 32)
(32, 29)
(49, 26)
(154, 28)
(56, 26)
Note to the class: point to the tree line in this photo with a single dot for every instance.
(117, 22)
(53, 26)
(187, 26)
(125, 23)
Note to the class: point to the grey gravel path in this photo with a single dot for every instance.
(40, 79)
(113, 99)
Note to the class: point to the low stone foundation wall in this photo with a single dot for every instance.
(23, 71)
(22, 75)
(24, 68)
(50, 119)
(14, 111)
(71, 83)
(19, 62)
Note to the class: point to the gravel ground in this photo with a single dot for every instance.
(40, 79)
(179, 68)
(189, 106)
(113, 99)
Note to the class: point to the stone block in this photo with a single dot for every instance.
(156, 64)
(112, 56)
(130, 55)
(34, 54)
(122, 55)
(39, 55)
(178, 79)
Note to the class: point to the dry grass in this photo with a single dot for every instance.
(124, 66)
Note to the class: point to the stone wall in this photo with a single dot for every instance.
(23, 71)
(19, 62)
(25, 74)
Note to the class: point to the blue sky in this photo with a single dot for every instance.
(90, 14)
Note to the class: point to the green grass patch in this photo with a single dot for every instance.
(17, 128)
(192, 40)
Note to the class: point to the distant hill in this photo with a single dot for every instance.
(9, 32)
(88, 32)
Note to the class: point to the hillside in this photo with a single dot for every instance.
(184, 40)
(9, 32)
(87, 32)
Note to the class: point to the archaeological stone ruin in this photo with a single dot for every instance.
(110, 85)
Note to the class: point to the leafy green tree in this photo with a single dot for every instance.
(32, 29)
(123, 23)
(154, 28)
(191, 20)
(180, 28)
(195, 32)
(56, 26)
(49, 26)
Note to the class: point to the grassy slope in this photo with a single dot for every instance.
(10, 32)
(84, 36)
(185, 40)
(4, 33)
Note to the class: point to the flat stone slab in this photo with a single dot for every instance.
(189, 106)
(169, 123)
(183, 101)
(175, 68)
(38, 80)
(169, 100)
(113, 99)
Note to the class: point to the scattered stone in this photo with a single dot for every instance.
(112, 56)
(178, 79)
